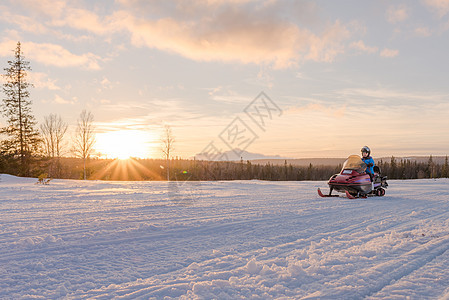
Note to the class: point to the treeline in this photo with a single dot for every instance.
(194, 170)
(411, 169)
(157, 169)
(245, 170)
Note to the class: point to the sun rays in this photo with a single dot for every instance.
(124, 169)
(125, 155)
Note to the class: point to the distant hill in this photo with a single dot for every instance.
(301, 161)
(232, 155)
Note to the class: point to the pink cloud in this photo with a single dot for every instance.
(235, 36)
(244, 31)
(439, 7)
(396, 14)
(389, 52)
(360, 45)
(51, 54)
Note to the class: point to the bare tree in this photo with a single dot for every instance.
(53, 130)
(84, 140)
(167, 147)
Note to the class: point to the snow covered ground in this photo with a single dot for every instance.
(224, 240)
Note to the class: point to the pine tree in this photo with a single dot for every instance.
(445, 171)
(394, 167)
(23, 139)
(430, 168)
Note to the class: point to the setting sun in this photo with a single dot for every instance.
(124, 144)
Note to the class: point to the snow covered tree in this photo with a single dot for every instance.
(84, 140)
(22, 137)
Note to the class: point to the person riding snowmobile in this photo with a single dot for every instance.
(358, 178)
(369, 161)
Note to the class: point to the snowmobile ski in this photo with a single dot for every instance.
(323, 195)
(354, 197)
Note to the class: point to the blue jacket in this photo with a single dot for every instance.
(369, 161)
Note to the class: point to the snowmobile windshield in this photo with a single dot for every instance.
(354, 162)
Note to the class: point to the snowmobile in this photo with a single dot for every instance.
(355, 182)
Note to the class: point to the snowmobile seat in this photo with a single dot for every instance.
(376, 169)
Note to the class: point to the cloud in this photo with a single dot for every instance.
(393, 97)
(439, 7)
(103, 85)
(330, 110)
(41, 81)
(226, 95)
(45, 8)
(236, 35)
(155, 111)
(55, 55)
(389, 52)
(50, 54)
(360, 45)
(7, 48)
(82, 19)
(423, 31)
(59, 100)
(244, 31)
(397, 13)
(25, 23)
(106, 84)
(43, 22)
(124, 123)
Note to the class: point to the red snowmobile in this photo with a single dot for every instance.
(355, 182)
